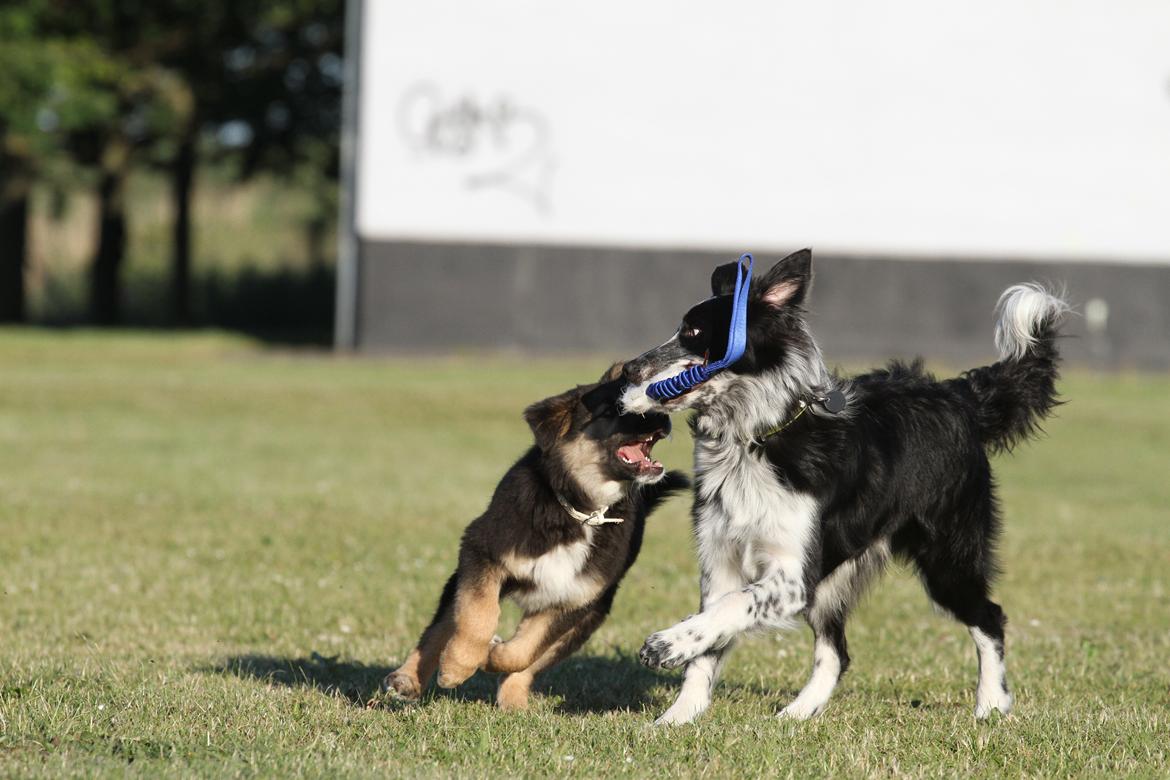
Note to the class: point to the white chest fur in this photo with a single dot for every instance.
(556, 576)
(744, 510)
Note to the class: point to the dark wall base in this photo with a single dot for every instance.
(620, 301)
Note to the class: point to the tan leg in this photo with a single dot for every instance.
(477, 612)
(409, 680)
(513, 691)
(514, 688)
(535, 634)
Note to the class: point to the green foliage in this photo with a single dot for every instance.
(83, 85)
(51, 85)
(63, 88)
(213, 553)
(71, 70)
(100, 87)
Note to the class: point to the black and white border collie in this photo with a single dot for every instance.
(797, 507)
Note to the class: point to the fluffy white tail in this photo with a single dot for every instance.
(1023, 312)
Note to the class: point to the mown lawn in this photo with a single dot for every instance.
(210, 555)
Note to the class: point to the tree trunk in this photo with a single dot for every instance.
(182, 186)
(315, 233)
(106, 283)
(14, 197)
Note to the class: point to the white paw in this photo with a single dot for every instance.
(674, 646)
(678, 715)
(802, 710)
(1000, 700)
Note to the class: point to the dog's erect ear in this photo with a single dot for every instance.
(723, 278)
(613, 372)
(788, 282)
(551, 418)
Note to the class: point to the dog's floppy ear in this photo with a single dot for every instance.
(613, 372)
(723, 278)
(602, 398)
(788, 282)
(551, 418)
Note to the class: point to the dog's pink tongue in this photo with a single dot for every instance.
(631, 452)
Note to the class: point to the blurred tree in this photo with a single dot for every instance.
(255, 81)
(120, 82)
(72, 80)
(131, 105)
(265, 81)
(15, 189)
(50, 87)
(24, 83)
(14, 197)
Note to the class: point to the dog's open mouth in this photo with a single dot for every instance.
(637, 454)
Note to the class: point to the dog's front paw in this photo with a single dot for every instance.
(801, 710)
(1000, 701)
(679, 714)
(512, 693)
(402, 685)
(657, 652)
(671, 648)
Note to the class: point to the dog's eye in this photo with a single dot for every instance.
(689, 332)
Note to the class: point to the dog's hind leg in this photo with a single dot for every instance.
(410, 679)
(960, 586)
(830, 660)
(476, 614)
(992, 692)
(514, 688)
(832, 600)
(985, 621)
(534, 635)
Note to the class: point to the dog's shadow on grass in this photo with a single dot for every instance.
(351, 680)
(582, 684)
(599, 683)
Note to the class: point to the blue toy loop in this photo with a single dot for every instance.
(678, 384)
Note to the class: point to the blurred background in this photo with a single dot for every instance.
(513, 174)
(171, 164)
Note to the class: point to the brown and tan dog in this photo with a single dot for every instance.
(563, 527)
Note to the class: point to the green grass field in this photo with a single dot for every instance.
(210, 555)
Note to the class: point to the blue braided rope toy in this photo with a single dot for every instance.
(678, 384)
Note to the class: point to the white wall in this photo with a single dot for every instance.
(992, 127)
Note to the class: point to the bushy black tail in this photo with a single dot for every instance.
(1019, 391)
(653, 495)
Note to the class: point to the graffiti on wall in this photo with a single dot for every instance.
(498, 144)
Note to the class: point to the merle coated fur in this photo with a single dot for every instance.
(798, 524)
(564, 573)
